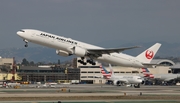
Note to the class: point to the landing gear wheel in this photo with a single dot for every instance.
(79, 61)
(26, 45)
(91, 62)
(84, 63)
(137, 86)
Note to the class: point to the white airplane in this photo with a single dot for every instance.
(161, 77)
(67, 46)
(119, 80)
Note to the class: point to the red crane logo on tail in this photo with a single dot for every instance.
(149, 54)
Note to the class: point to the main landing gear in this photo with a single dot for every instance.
(26, 42)
(90, 61)
(137, 85)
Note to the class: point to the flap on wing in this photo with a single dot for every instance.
(110, 50)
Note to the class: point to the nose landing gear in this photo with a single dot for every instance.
(26, 42)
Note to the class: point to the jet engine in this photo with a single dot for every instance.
(117, 82)
(80, 51)
(142, 82)
(62, 53)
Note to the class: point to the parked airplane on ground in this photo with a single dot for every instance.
(119, 80)
(161, 77)
(67, 46)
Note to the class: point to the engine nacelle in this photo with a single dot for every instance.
(62, 53)
(117, 82)
(154, 66)
(80, 51)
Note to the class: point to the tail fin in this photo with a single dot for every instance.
(148, 55)
(146, 73)
(104, 72)
(145, 70)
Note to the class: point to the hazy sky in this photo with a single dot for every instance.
(92, 21)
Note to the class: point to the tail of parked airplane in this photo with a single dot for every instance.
(105, 73)
(146, 56)
(147, 73)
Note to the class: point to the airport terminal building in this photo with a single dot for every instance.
(7, 69)
(48, 74)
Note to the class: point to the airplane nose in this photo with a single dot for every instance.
(20, 32)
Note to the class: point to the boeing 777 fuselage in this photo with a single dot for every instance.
(67, 46)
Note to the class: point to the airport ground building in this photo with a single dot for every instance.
(175, 68)
(83, 73)
(48, 74)
(7, 69)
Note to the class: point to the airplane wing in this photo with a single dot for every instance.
(99, 52)
(168, 79)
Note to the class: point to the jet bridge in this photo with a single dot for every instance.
(175, 68)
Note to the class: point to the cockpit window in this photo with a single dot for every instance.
(22, 30)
